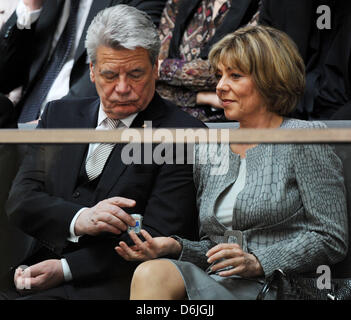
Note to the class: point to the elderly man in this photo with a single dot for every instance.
(77, 200)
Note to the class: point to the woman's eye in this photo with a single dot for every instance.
(236, 75)
(218, 76)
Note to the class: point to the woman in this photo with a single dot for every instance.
(188, 29)
(285, 204)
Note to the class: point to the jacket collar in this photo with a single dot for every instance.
(96, 6)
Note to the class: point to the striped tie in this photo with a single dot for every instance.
(96, 161)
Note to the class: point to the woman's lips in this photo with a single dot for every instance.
(226, 102)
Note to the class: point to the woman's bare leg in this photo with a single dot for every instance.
(157, 280)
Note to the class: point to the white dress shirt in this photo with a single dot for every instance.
(25, 17)
(101, 125)
(226, 202)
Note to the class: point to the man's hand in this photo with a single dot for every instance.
(152, 248)
(33, 4)
(231, 255)
(39, 277)
(106, 216)
(210, 98)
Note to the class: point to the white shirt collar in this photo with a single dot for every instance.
(126, 121)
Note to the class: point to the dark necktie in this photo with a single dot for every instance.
(49, 73)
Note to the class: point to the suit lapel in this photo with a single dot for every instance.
(237, 15)
(111, 173)
(115, 167)
(96, 7)
(154, 112)
(73, 154)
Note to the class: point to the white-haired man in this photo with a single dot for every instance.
(79, 209)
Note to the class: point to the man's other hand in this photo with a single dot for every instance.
(39, 277)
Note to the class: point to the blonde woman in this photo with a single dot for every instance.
(284, 205)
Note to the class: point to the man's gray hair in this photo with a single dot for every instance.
(122, 26)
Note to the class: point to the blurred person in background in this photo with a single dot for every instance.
(187, 30)
(42, 49)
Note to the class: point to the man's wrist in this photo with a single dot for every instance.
(67, 274)
(175, 248)
(74, 235)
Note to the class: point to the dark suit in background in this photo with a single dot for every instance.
(52, 186)
(12, 240)
(23, 53)
(326, 52)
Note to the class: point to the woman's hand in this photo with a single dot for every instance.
(243, 263)
(152, 248)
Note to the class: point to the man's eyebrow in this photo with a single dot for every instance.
(136, 70)
(107, 72)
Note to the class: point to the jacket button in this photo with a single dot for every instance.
(8, 31)
(76, 194)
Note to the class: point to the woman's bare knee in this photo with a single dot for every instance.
(157, 279)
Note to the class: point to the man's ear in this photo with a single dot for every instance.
(155, 69)
(92, 74)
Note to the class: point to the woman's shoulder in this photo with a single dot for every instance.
(211, 159)
(291, 123)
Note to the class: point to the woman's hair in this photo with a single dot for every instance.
(124, 27)
(271, 58)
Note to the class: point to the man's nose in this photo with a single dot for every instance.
(122, 87)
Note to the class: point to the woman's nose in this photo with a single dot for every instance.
(222, 84)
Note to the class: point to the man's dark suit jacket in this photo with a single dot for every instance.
(8, 167)
(50, 189)
(23, 53)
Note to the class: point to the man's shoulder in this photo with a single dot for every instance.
(71, 104)
(69, 113)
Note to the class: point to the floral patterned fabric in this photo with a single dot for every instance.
(181, 79)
